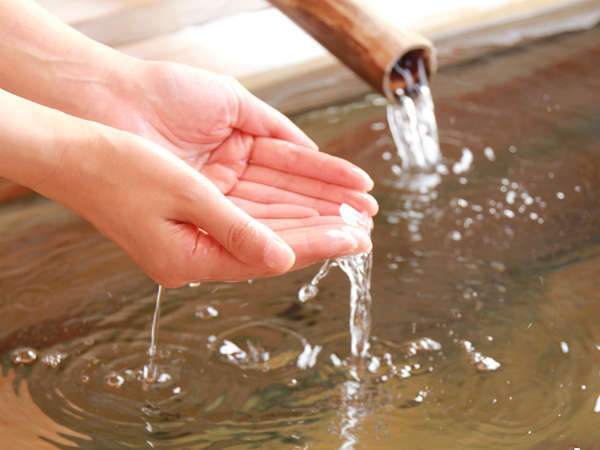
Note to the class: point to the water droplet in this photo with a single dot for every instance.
(487, 364)
(456, 236)
(560, 195)
(464, 164)
(177, 390)
(337, 362)
(206, 312)
(114, 380)
(23, 356)
(489, 153)
(564, 347)
(510, 197)
(163, 378)
(462, 203)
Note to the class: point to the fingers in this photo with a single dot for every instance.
(210, 261)
(272, 211)
(259, 119)
(245, 238)
(262, 193)
(305, 222)
(318, 243)
(311, 187)
(295, 160)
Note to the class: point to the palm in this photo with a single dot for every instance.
(251, 153)
(242, 146)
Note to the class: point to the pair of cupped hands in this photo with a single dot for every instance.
(215, 184)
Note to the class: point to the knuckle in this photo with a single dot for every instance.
(239, 235)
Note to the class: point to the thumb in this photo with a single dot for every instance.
(248, 240)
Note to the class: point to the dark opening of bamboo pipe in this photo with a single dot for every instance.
(363, 40)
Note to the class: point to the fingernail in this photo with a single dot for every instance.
(362, 238)
(365, 176)
(352, 217)
(278, 256)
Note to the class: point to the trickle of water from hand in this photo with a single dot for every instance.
(411, 118)
(358, 270)
(150, 369)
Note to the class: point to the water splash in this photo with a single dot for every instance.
(411, 118)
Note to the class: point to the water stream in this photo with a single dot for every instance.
(411, 119)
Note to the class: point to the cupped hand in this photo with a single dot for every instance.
(251, 167)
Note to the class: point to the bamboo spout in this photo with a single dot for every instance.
(363, 40)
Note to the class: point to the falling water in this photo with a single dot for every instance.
(150, 369)
(358, 270)
(411, 119)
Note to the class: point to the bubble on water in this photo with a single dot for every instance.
(206, 312)
(597, 406)
(564, 347)
(23, 356)
(560, 195)
(114, 380)
(489, 154)
(54, 359)
(84, 379)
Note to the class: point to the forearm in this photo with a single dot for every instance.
(45, 149)
(48, 62)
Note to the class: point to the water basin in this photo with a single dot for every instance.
(486, 310)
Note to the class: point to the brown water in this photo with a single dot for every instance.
(498, 259)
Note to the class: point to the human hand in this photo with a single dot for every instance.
(254, 155)
(201, 155)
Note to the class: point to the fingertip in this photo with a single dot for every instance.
(366, 181)
(278, 256)
(362, 238)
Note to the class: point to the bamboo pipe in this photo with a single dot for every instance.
(362, 40)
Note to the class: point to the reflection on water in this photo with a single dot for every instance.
(495, 263)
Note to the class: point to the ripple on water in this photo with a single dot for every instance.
(257, 370)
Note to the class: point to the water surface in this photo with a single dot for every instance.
(498, 257)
